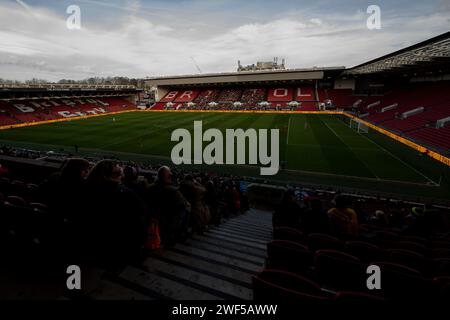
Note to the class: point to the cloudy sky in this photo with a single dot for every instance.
(150, 38)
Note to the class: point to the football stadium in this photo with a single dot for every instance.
(155, 190)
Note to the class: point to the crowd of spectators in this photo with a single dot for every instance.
(344, 216)
(101, 212)
(253, 96)
(206, 97)
(230, 95)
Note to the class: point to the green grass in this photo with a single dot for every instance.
(317, 149)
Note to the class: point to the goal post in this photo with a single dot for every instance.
(358, 126)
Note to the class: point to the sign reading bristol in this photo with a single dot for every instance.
(235, 139)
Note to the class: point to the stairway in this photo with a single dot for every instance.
(214, 266)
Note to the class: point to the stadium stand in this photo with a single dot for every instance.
(251, 97)
(187, 96)
(341, 98)
(439, 138)
(207, 96)
(282, 98)
(390, 111)
(404, 246)
(33, 110)
(310, 258)
(230, 95)
(280, 95)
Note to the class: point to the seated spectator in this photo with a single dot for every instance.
(344, 221)
(169, 207)
(212, 201)
(315, 219)
(194, 192)
(379, 218)
(64, 192)
(289, 212)
(232, 200)
(3, 170)
(131, 180)
(113, 220)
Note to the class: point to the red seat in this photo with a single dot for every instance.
(319, 241)
(276, 285)
(357, 297)
(442, 267)
(39, 206)
(16, 200)
(365, 251)
(399, 282)
(440, 244)
(290, 234)
(409, 258)
(412, 246)
(440, 253)
(339, 270)
(415, 239)
(289, 256)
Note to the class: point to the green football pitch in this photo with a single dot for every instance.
(314, 149)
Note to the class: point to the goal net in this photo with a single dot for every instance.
(358, 126)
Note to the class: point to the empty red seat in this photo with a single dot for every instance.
(39, 206)
(289, 256)
(441, 244)
(339, 270)
(440, 253)
(441, 287)
(276, 285)
(442, 267)
(318, 241)
(365, 251)
(291, 234)
(409, 258)
(399, 282)
(417, 239)
(16, 200)
(412, 246)
(357, 297)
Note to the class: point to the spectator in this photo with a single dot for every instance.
(315, 218)
(344, 221)
(64, 192)
(212, 201)
(131, 181)
(194, 192)
(3, 170)
(169, 207)
(232, 200)
(379, 218)
(289, 212)
(114, 218)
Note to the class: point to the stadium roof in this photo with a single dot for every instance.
(426, 55)
(55, 86)
(259, 76)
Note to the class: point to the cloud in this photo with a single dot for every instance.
(40, 45)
